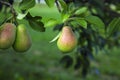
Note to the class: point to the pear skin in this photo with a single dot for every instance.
(23, 41)
(7, 35)
(67, 40)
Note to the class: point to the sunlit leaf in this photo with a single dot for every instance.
(51, 23)
(65, 17)
(50, 3)
(21, 16)
(54, 39)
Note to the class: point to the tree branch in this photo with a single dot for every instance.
(11, 8)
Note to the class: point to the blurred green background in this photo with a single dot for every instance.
(41, 62)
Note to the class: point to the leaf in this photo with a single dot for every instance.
(2, 18)
(51, 23)
(65, 17)
(58, 27)
(113, 26)
(50, 3)
(21, 16)
(78, 63)
(26, 4)
(80, 22)
(35, 23)
(95, 21)
(63, 4)
(66, 61)
(38, 26)
(54, 39)
(80, 11)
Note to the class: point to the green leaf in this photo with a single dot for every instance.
(38, 26)
(63, 4)
(113, 26)
(50, 3)
(65, 17)
(51, 22)
(80, 22)
(71, 8)
(21, 16)
(5, 18)
(95, 21)
(26, 4)
(35, 22)
(54, 39)
(2, 18)
(80, 11)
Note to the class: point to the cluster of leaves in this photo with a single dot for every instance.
(14, 11)
(94, 21)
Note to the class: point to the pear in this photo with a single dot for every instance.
(7, 35)
(67, 40)
(23, 41)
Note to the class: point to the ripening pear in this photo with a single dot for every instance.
(67, 40)
(7, 35)
(22, 42)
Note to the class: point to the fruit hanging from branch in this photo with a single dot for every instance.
(22, 42)
(67, 40)
(7, 35)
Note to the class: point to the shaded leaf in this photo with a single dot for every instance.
(66, 61)
(26, 4)
(113, 26)
(63, 4)
(78, 63)
(95, 21)
(58, 27)
(79, 22)
(38, 26)
(2, 18)
(35, 23)
(71, 8)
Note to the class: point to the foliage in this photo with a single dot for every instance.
(96, 24)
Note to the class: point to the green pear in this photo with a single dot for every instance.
(23, 41)
(7, 35)
(67, 40)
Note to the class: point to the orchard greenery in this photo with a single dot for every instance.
(95, 23)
